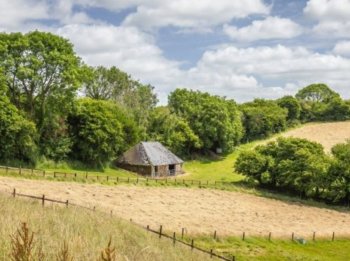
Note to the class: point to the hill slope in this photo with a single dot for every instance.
(86, 232)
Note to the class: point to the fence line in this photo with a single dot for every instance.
(160, 232)
(98, 177)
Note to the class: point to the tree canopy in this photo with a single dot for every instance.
(215, 120)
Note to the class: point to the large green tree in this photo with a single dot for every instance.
(173, 131)
(115, 85)
(292, 105)
(42, 73)
(215, 120)
(100, 131)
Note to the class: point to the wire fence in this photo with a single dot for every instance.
(108, 178)
(159, 232)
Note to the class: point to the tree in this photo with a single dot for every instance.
(173, 131)
(318, 93)
(320, 103)
(117, 86)
(292, 105)
(41, 71)
(215, 120)
(261, 118)
(100, 131)
(17, 134)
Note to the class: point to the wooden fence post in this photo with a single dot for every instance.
(211, 253)
(67, 203)
(192, 244)
(43, 200)
(174, 239)
(75, 175)
(111, 213)
(7, 170)
(86, 175)
(54, 174)
(215, 234)
(128, 179)
(20, 170)
(160, 231)
(182, 232)
(333, 236)
(243, 236)
(43, 173)
(314, 236)
(270, 236)
(147, 227)
(117, 179)
(293, 236)
(14, 192)
(94, 208)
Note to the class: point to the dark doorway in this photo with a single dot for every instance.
(172, 170)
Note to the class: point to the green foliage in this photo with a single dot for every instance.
(261, 118)
(116, 85)
(339, 174)
(292, 105)
(296, 165)
(215, 120)
(42, 72)
(172, 131)
(100, 131)
(17, 134)
(320, 103)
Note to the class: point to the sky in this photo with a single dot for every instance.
(238, 49)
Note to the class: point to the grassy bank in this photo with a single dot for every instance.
(86, 233)
(276, 250)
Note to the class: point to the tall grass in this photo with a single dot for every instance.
(88, 235)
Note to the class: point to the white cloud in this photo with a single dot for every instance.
(270, 28)
(342, 48)
(332, 17)
(15, 12)
(125, 47)
(192, 14)
(281, 67)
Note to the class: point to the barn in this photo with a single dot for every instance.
(151, 159)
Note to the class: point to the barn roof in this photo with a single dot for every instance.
(149, 153)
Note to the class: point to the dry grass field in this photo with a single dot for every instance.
(85, 232)
(200, 211)
(328, 134)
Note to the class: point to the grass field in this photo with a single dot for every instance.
(86, 232)
(278, 250)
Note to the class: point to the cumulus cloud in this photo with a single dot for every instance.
(270, 28)
(15, 12)
(270, 72)
(342, 48)
(332, 16)
(192, 14)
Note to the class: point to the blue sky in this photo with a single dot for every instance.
(239, 49)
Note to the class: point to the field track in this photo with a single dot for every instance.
(198, 210)
(328, 134)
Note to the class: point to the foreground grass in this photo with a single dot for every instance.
(262, 249)
(86, 233)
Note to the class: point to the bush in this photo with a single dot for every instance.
(296, 165)
(261, 118)
(100, 131)
(17, 135)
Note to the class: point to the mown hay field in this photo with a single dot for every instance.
(200, 211)
(328, 134)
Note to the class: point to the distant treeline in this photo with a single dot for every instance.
(53, 106)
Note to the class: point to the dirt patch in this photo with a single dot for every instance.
(328, 134)
(198, 210)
